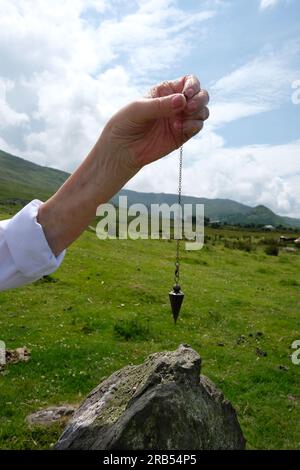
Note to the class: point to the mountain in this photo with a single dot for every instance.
(261, 215)
(21, 180)
(214, 208)
(223, 210)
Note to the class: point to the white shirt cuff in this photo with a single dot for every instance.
(27, 243)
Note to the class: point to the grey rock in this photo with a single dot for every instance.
(163, 403)
(50, 415)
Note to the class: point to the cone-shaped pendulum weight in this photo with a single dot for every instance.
(176, 298)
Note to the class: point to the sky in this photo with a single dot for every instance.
(67, 66)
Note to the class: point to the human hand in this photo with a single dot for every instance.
(138, 134)
(148, 129)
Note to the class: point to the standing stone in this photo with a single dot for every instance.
(162, 404)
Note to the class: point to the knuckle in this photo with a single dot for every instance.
(154, 91)
(165, 84)
(163, 88)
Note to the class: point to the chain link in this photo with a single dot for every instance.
(180, 215)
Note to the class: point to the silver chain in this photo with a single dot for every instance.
(180, 215)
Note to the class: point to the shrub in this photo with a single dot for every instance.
(131, 329)
(243, 245)
(272, 250)
(268, 241)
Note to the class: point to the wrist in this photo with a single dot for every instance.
(113, 164)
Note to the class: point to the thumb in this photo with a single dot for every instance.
(165, 106)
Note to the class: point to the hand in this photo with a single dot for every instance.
(138, 134)
(150, 128)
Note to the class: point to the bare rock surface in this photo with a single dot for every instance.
(50, 415)
(163, 403)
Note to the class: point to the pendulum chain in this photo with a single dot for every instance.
(179, 215)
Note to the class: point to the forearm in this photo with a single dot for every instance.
(71, 209)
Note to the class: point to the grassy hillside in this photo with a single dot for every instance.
(20, 179)
(107, 307)
(257, 215)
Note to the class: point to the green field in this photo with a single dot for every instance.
(107, 306)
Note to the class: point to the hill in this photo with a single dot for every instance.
(224, 210)
(21, 181)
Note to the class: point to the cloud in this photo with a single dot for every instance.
(260, 85)
(270, 4)
(66, 67)
(75, 63)
(251, 174)
(264, 4)
(8, 116)
(255, 174)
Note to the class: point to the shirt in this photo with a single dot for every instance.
(25, 255)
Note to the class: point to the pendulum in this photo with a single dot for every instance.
(176, 295)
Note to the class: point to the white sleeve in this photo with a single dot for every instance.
(25, 255)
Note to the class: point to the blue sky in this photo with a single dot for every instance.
(66, 67)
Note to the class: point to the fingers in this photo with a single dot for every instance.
(190, 127)
(195, 111)
(197, 103)
(202, 114)
(162, 89)
(156, 108)
(191, 86)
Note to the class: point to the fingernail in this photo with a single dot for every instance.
(177, 101)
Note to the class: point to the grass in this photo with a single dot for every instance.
(23, 178)
(107, 307)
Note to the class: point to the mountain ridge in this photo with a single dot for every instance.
(23, 181)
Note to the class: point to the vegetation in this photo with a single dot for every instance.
(107, 307)
(21, 180)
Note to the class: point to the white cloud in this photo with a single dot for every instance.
(8, 116)
(264, 4)
(257, 174)
(75, 63)
(66, 67)
(270, 4)
(262, 84)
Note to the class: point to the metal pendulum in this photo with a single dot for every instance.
(176, 295)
